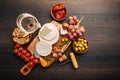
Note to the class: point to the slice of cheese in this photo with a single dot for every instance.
(48, 32)
(45, 31)
(63, 31)
(43, 62)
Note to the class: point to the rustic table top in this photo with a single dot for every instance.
(102, 23)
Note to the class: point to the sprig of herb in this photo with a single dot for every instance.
(63, 43)
(48, 58)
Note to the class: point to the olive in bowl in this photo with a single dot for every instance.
(80, 45)
(58, 12)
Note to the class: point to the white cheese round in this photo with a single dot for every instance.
(49, 33)
(43, 48)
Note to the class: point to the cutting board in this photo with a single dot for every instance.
(32, 45)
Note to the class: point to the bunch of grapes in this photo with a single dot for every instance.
(73, 20)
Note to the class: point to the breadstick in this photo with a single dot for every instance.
(73, 59)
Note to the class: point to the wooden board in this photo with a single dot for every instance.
(31, 47)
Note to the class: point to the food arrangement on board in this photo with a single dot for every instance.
(52, 40)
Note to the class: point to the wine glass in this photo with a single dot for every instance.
(27, 23)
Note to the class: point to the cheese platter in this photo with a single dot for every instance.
(49, 44)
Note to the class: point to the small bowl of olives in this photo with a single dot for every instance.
(80, 45)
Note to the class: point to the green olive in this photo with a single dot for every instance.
(63, 40)
(86, 47)
(76, 49)
(79, 48)
(85, 44)
(77, 45)
(83, 48)
(79, 39)
(82, 39)
(80, 45)
(85, 41)
(79, 42)
(82, 42)
(66, 39)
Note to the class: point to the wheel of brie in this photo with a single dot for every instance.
(43, 48)
(49, 33)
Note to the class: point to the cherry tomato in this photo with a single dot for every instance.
(36, 61)
(24, 52)
(15, 51)
(28, 55)
(21, 49)
(31, 64)
(22, 57)
(19, 54)
(32, 58)
(26, 59)
(18, 45)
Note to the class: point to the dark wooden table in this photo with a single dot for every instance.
(102, 23)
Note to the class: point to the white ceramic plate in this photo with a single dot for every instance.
(53, 35)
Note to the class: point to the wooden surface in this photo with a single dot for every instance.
(102, 23)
